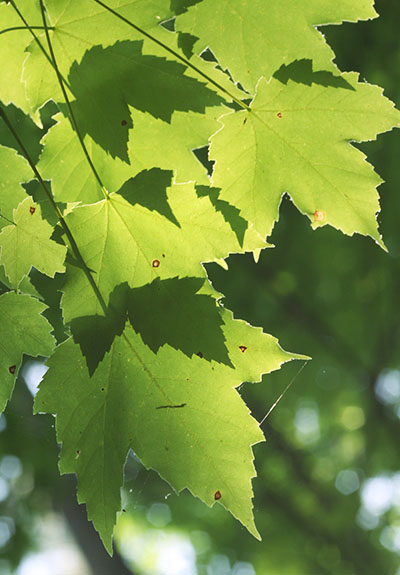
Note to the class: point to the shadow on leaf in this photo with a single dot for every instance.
(230, 213)
(109, 80)
(149, 189)
(164, 312)
(301, 72)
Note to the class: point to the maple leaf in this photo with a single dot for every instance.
(152, 143)
(295, 138)
(154, 359)
(122, 242)
(253, 38)
(182, 417)
(27, 243)
(22, 330)
(74, 30)
(14, 170)
(14, 40)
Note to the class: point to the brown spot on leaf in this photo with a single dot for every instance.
(199, 354)
(280, 115)
(124, 123)
(12, 369)
(155, 263)
(319, 216)
(32, 210)
(217, 495)
(242, 348)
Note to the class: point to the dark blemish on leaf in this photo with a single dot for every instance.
(244, 121)
(102, 389)
(124, 511)
(187, 379)
(242, 348)
(156, 263)
(32, 210)
(217, 495)
(124, 123)
(171, 406)
(199, 354)
(78, 452)
(163, 255)
(319, 216)
(279, 114)
(12, 369)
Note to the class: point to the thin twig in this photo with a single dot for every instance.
(175, 54)
(68, 103)
(63, 223)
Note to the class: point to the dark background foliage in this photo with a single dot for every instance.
(327, 496)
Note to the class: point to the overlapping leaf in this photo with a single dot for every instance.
(122, 241)
(295, 138)
(14, 40)
(27, 243)
(14, 170)
(157, 404)
(154, 361)
(253, 38)
(22, 330)
(75, 29)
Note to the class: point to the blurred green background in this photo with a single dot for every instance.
(327, 496)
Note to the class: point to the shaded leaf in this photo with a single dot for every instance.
(253, 38)
(181, 416)
(22, 330)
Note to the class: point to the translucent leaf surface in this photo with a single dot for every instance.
(253, 38)
(156, 246)
(295, 139)
(14, 170)
(181, 416)
(22, 330)
(27, 243)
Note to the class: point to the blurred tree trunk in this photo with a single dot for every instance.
(88, 539)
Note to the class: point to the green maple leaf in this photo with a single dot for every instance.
(130, 78)
(14, 170)
(122, 241)
(253, 38)
(13, 43)
(75, 29)
(182, 417)
(22, 330)
(152, 143)
(295, 139)
(27, 243)
(64, 164)
(175, 311)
